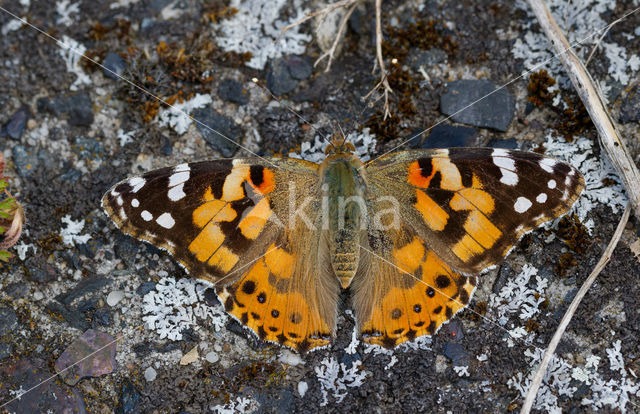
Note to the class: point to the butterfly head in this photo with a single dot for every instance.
(339, 145)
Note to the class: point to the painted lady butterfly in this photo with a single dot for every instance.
(406, 233)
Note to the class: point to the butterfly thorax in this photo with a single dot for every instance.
(343, 187)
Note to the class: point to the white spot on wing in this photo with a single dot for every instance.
(176, 193)
(567, 181)
(547, 164)
(166, 220)
(542, 197)
(123, 215)
(114, 193)
(551, 184)
(137, 183)
(178, 178)
(146, 216)
(182, 167)
(135, 203)
(119, 200)
(522, 204)
(507, 166)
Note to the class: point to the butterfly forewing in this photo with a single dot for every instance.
(471, 205)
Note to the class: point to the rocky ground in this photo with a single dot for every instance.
(71, 129)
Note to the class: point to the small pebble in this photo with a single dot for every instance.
(150, 374)
(115, 297)
(212, 357)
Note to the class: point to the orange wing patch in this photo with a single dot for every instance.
(265, 301)
(425, 294)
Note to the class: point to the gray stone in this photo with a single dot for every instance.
(474, 102)
(114, 65)
(216, 125)
(8, 321)
(232, 91)
(102, 350)
(279, 79)
(16, 125)
(446, 136)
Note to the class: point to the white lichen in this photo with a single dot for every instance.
(176, 305)
(177, 115)
(582, 22)
(64, 9)
(71, 233)
(364, 142)
(336, 378)
(239, 405)
(125, 137)
(12, 25)
(71, 52)
(462, 370)
(256, 29)
(613, 393)
(517, 297)
(602, 184)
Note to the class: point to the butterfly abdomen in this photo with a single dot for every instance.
(343, 190)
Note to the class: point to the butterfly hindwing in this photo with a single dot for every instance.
(403, 290)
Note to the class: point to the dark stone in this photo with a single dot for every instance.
(446, 136)
(454, 351)
(80, 110)
(509, 143)
(129, 402)
(87, 148)
(492, 111)
(51, 396)
(210, 297)
(232, 91)
(114, 65)
(77, 107)
(279, 79)
(74, 318)
(126, 249)
(167, 148)
(299, 67)
(39, 271)
(453, 330)
(6, 350)
(17, 123)
(8, 321)
(90, 248)
(145, 287)
(220, 132)
(630, 106)
(26, 162)
(89, 285)
(91, 355)
(425, 58)
(16, 290)
(504, 274)
(87, 305)
(101, 317)
(349, 359)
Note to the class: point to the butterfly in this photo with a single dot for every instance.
(406, 233)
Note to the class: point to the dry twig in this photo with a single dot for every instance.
(548, 354)
(592, 99)
(330, 54)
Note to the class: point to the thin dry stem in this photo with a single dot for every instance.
(321, 12)
(592, 99)
(384, 82)
(604, 33)
(604, 259)
(336, 41)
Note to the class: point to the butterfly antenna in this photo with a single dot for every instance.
(293, 111)
(344, 137)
